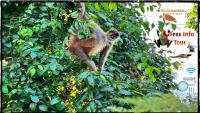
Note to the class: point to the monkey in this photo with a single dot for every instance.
(99, 42)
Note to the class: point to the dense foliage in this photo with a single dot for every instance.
(192, 20)
(40, 75)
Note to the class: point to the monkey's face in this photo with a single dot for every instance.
(113, 34)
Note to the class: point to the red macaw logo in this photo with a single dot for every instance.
(165, 39)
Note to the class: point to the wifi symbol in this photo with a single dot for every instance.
(191, 70)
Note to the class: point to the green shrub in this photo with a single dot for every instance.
(40, 75)
(162, 103)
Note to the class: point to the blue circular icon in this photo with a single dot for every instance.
(182, 86)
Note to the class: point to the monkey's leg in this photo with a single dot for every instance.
(84, 57)
(91, 64)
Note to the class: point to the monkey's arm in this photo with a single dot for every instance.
(103, 56)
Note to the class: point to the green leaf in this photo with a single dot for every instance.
(108, 89)
(125, 92)
(37, 48)
(96, 5)
(102, 16)
(53, 66)
(146, 26)
(8, 45)
(144, 60)
(109, 24)
(31, 6)
(151, 8)
(92, 106)
(32, 71)
(103, 78)
(60, 106)
(148, 70)
(82, 76)
(98, 103)
(141, 5)
(105, 5)
(30, 43)
(28, 11)
(162, 39)
(26, 32)
(88, 109)
(54, 101)
(157, 70)
(43, 8)
(90, 80)
(55, 24)
(74, 14)
(43, 107)
(161, 25)
(36, 28)
(13, 91)
(122, 24)
(33, 55)
(50, 5)
(137, 32)
(44, 25)
(32, 106)
(5, 80)
(130, 26)
(140, 65)
(26, 52)
(40, 67)
(82, 97)
(112, 5)
(147, 8)
(34, 98)
(5, 89)
(152, 77)
(173, 26)
(120, 39)
(92, 25)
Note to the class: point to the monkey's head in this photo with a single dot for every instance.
(113, 34)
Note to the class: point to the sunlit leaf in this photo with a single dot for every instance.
(5, 89)
(125, 92)
(32, 106)
(112, 5)
(34, 98)
(54, 101)
(102, 16)
(60, 106)
(43, 107)
(74, 14)
(33, 55)
(33, 71)
(40, 67)
(97, 6)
